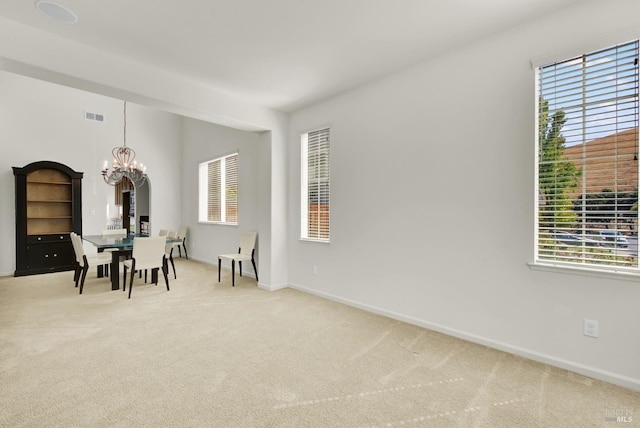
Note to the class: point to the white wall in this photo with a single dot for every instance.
(203, 142)
(432, 219)
(45, 121)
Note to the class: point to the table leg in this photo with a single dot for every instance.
(115, 270)
(115, 267)
(100, 268)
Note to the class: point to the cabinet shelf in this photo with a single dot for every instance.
(55, 183)
(50, 200)
(52, 233)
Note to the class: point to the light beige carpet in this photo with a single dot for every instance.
(208, 355)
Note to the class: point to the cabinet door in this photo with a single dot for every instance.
(50, 256)
(38, 256)
(61, 254)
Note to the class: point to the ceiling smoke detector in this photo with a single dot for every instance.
(56, 11)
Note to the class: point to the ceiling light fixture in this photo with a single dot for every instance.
(124, 163)
(56, 11)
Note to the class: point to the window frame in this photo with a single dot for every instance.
(204, 190)
(323, 192)
(592, 267)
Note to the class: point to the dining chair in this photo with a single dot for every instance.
(181, 241)
(246, 252)
(168, 251)
(83, 260)
(148, 253)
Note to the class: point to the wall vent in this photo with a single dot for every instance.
(96, 117)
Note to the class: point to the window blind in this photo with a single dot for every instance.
(587, 163)
(231, 188)
(214, 193)
(316, 185)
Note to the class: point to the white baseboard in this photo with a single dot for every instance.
(588, 371)
(272, 287)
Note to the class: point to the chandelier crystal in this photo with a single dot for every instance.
(124, 163)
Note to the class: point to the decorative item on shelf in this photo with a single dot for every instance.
(124, 163)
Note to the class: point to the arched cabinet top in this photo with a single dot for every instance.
(34, 166)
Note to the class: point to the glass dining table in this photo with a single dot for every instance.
(122, 246)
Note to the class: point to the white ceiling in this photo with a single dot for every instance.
(282, 54)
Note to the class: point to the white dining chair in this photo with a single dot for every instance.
(148, 253)
(168, 251)
(181, 241)
(83, 261)
(246, 252)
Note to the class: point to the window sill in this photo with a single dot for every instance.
(217, 223)
(319, 241)
(576, 270)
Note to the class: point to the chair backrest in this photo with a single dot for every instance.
(114, 232)
(182, 232)
(247, 242)
(78, 248)
(170, 234)
(163, 232)
(148, 252)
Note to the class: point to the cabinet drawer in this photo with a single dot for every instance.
(59, 237)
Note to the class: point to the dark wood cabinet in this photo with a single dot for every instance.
(48, 208)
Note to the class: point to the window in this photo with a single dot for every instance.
(315, 186)
(587, 162)
(218, 180)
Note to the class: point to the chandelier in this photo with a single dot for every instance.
(124, 163)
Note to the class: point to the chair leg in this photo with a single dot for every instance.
(233, 273)
(184, 245)
(172, 265)
(124, 279)
(133, 272)
(219, 261)
(76, 275)
(253, 262)
(85, 269)
(240, 266)
(165, 271)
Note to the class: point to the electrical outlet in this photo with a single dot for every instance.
(314, 269)
(591, 328)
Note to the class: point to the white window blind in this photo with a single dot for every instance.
(219, 190)
(315, 195)
(214, 194)
(231, 189)
(587, 163)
